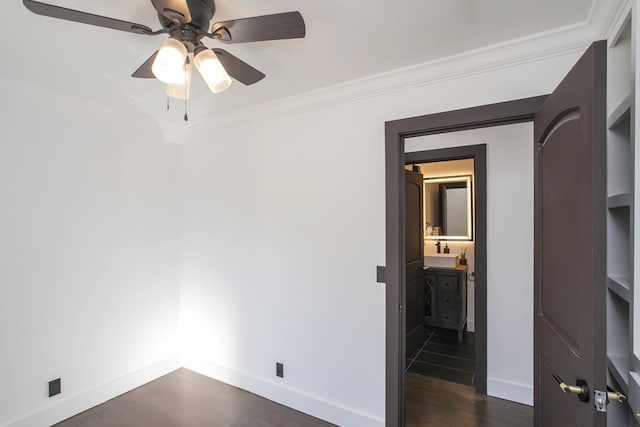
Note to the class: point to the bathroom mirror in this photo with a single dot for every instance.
(447, 208)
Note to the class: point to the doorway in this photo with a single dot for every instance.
(443, 344)
(396, 133)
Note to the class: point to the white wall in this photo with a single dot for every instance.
(89, 288)
(283, 233)
(509, 252)
(272, 257)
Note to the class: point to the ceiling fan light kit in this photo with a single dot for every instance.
(169, 65)
(187, 23)
(181, 90)
(211, 70)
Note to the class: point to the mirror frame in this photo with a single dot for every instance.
(449, 179)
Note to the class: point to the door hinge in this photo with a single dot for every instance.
(602, 398)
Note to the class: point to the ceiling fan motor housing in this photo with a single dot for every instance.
(188, 35)
(201, 12)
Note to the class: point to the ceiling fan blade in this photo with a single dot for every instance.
(144, 71)
(237, 68)
(288, 25)
(84, 18)
(175, 10)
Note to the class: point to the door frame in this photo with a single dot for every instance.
(396, 131)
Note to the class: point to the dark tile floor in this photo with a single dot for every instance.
(442, 356)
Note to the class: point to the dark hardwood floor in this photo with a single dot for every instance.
(437, 403)
(186, 399)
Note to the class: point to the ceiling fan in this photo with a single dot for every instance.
(187, 23)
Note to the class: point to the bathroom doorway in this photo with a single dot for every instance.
(506, 147)
(440, 354)
(440, 312)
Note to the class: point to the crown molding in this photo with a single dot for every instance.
(619, 15)
(573, 39)
(609, 15)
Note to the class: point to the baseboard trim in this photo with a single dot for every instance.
(80, 402)
(304, 402)
(515, 392)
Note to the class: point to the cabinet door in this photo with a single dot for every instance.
(448, 300)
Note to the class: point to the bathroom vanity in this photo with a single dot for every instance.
(445, 295)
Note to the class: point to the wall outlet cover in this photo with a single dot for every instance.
(279, 370)
(54, 387)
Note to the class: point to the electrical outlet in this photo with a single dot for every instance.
(279, 370)
(54, 387)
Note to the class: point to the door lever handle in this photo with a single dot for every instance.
(581, 389)
(615, 395)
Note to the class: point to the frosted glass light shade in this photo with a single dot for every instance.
(212, 70)
(181, 90)
(168, 66)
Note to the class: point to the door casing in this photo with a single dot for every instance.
(396, 132)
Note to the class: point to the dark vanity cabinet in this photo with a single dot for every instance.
(446, 298)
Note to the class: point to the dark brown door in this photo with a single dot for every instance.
(570, 242)
(414, 300)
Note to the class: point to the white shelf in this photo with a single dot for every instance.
(621, 112)
(619, 368)
(621, 286)
(624, 200)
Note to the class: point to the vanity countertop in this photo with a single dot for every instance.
(456, 268)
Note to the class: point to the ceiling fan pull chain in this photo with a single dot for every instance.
(186, 94)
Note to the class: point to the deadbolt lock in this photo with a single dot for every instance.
(581, 389)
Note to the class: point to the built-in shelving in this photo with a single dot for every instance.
(621, 170)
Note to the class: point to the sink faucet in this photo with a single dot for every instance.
(438, 246)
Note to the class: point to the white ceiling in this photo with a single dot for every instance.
(346, 40)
